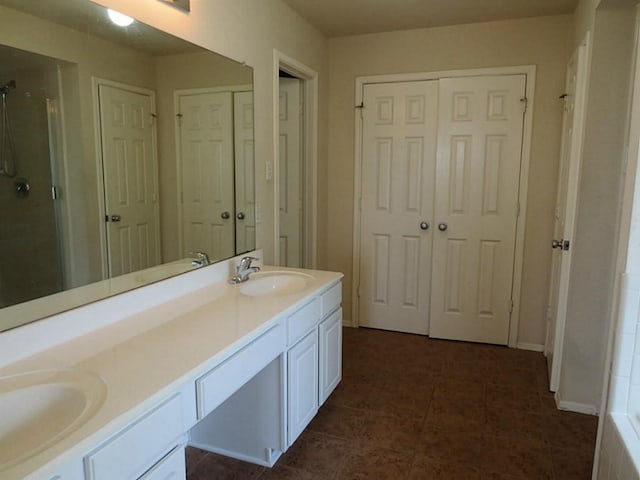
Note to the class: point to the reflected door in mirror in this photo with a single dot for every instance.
(206, 166)
(130, 179)
(244, 165)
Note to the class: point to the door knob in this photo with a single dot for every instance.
(240, 216)
(225, 215)
(424, 226)
(115, 218)
(443, 227)
(561, 244)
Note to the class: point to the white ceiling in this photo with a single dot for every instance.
(337, 18)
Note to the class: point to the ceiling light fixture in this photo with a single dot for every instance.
(119, 19)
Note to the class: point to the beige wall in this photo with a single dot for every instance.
(544, 42)
(249, 31)
(590, 297)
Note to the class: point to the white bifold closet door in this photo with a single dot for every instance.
(441, 168)
(207, 174)
(398, 169)
(244, 168)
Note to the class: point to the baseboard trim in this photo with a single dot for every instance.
(534, 347)
(575, 406)
(347, 323)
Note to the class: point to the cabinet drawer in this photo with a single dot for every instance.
(171, 467)
(215, 387)
(331, 299)
(300, 322)
(137, 448)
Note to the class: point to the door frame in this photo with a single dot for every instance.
(530, 73)
(309, 80)
(178, 143)
(583, 56)
(96, 82)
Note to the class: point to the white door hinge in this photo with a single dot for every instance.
(511, 307)
(525, 104)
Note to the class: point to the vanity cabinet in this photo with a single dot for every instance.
(141, 447)
(241, 407)
(315, 361)
(257, 402)
(214, 387)
(250, 399)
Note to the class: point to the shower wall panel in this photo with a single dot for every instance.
(29, 259)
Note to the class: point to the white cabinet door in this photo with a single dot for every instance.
(330, 337)
(302, 361)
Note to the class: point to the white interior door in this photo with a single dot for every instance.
(207, 174)
(130, 179)
(244, 168)
(290, 172)
(480, 128)
(565, 211)
(398, 171)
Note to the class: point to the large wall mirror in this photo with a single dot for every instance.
(123, 150)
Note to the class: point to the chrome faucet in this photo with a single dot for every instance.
(200, 259)
(243, 270)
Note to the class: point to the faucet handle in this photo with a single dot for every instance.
(245, 262)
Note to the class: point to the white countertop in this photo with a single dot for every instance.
(144, 357)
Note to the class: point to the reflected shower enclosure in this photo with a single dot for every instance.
(28, 86)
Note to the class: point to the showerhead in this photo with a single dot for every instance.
(10, 85)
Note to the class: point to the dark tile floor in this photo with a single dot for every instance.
(414, 408)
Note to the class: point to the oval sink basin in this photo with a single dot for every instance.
(42, 407)
(275, 283)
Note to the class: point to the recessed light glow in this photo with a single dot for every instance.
(119, 19)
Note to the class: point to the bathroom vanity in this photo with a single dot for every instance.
(235, 369)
